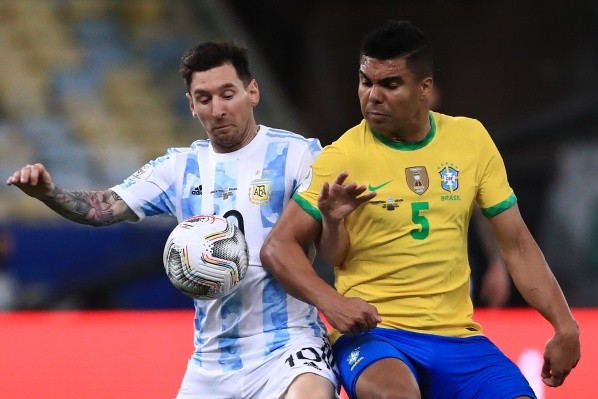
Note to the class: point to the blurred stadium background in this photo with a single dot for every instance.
(91, 89)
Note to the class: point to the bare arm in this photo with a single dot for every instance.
(335, 202)
(95, 208)
(333, 244)
(495, 287)
(282, 254)
(538, 286)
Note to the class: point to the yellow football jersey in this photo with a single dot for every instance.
(408, 252)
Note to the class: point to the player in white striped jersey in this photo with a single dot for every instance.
(257, 342)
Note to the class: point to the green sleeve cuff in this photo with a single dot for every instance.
(308, 207)
(500, 207)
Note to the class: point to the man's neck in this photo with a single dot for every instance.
(414, 132)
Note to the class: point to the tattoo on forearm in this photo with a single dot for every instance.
(95, 208)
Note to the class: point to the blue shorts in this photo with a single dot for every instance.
(444, 367)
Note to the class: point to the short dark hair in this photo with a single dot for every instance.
(400, 39)
(212, 54)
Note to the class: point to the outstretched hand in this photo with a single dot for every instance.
(33, 180)
(337, 200)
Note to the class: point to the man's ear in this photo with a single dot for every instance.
(191, 105)
(427, 85)
(254, 93)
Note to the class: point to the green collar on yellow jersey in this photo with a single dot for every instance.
(397, 145)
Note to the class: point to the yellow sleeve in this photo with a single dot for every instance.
(326, 168)
(495, 195)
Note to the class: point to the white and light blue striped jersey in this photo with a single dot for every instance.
(250, 187)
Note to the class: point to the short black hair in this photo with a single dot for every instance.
(212, 54)
(400, 39)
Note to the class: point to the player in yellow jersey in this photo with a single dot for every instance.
(401, 308)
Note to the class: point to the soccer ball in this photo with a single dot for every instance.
(206, 257)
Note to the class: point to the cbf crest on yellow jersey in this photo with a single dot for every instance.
(408, 253)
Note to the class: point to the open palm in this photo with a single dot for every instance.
(337, 200)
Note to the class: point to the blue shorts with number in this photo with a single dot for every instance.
(444, 367)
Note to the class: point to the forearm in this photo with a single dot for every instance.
(288, 263)
(333, 243)
(337, 201)
(94, 208)
(282, 254)
(538, 286)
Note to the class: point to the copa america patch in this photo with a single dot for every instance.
(143, 173)
(306, 182)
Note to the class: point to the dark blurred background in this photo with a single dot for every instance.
(91, 89)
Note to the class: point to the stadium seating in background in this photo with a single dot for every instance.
(14, 149)
(84, 83)
(91, 88)
(107, 71)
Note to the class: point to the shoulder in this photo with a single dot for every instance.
(172, 154)
(196, 145)
(457, 122)
(468, 130)
(353, 139)
(292, 138)
(347, 149)
(283, 134)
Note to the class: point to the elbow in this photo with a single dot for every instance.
(275, 255)
(267, 255)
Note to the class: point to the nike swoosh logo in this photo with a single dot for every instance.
(374, 188)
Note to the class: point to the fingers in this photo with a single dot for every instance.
(340, 179)
(546, 374)
(14, 178)
(324, 192)
(364, 320)
(552, 377)
(554, 381)
(22, 176)
(28, 174)
(358, 328)
(367, 197)
(353, 190)
(338, 199)
(340, 182)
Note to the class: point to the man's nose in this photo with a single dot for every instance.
(218, 109)
(375, 94)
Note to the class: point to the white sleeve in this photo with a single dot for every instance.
(307, 159)
(151, 190)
